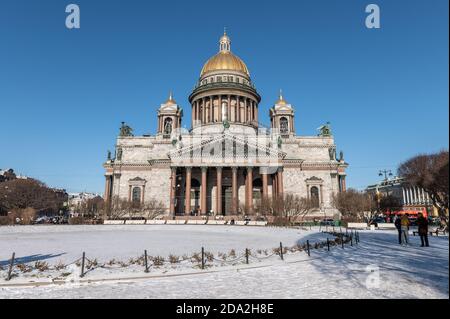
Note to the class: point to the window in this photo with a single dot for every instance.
(136, 196)
(315, 196)
(284, 126)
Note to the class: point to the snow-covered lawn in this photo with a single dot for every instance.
(403, 272)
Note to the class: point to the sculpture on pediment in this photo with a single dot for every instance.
(332, 153)
(325, 130)
(125, 130)
(119, 154)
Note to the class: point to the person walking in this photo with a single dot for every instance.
(422, 222)
(398, 225)
(405, 228)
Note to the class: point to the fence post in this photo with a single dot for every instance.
(82, 265)
(11, 265)
(146, 260)
(203, 258)
(351, 239)
(342, 242)
(328, 244)
(246, 255)
(307, 247)
(281, 250)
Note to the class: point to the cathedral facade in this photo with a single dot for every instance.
(227, 163)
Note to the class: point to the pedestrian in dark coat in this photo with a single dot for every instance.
(422, 222)
(398, 225)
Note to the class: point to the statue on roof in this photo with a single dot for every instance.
(325, 130)
(125, 130)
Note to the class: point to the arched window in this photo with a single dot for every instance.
(136, 196)
(284, 127)
(168, 126)
(315, 196)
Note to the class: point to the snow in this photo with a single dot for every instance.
(403, 272)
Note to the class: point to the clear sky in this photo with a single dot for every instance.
(63, 93)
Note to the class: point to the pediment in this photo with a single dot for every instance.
(227, 148)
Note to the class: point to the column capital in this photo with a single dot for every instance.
(234, 169)
(249, 168)
(188, 168)
(204, 169)
(219, 168)
(280, 169)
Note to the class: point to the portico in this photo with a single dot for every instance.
(226, 190)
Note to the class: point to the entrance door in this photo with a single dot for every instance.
(226, 200)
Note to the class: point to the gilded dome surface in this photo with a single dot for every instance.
(225, 60)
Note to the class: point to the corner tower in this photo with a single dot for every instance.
(169, 117)
(282, 117)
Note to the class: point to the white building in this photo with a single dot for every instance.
(227, 161)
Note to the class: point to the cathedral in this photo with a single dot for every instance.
(227, 163)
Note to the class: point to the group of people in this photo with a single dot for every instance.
(402, 224)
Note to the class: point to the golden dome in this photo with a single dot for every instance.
(170, 100)
(281, 100)
(225, 60)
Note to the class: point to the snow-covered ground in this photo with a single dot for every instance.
(375, 268)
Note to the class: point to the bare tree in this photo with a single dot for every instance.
(25, 193)
(128, 209)
(352, 204)
(430, 172)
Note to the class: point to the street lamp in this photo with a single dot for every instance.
(386, 173)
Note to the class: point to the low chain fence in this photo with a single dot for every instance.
(202, 259)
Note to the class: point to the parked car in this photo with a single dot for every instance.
(327, 221)
(42, 220)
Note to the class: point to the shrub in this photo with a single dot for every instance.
(197, 257)
(158, 261)
(60, 265)
(232, 253)
(4, 220)
(24, 268)
(76, 220)
(174, 259)
(209, 256)
(41, 266)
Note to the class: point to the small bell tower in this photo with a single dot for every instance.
(282, 117)
(169, 117)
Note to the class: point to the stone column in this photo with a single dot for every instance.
(280, 182)
(404, 196)
(234, 190)
(143, 194)
(344, 188)
(256, 112)
(236, 108)
(265, 189)
(173, 185)
(219, 116)
(187, 205)
(245, 111)
(219, 191)
(229, 108)
(203, 111)
(129, 193)
(274, 186)
(249, 200)
(321, 193)
(107, 195)
(204, 189)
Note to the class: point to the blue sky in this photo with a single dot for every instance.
(63, 93)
